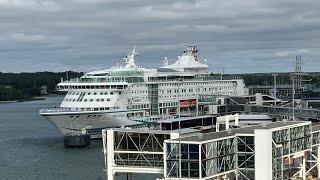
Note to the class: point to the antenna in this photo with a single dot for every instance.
(165, 62)
(129, 59)
(298, 71)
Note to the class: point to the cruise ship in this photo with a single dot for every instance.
(130, 95)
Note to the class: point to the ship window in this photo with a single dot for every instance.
(111, 93)
(91, 100)
(102, 100)
(108, 99)
(101, 109)
(98, 100)
(89, 93)
(74, 100)
(94, 93)
(105, 93)
(107, 108)
(119, 92)
(85, 100)
(101, 93)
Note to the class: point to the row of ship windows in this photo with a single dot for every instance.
(196, 84)
(168, 104)
(191, 90)
(192, 95)
(86, 100)
(94, 87)
(89, 93)
(135, 92)
(139, 106)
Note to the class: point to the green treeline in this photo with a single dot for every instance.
(19, 86)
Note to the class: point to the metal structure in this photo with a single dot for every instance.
(301, 113)
(273, 151)
(298, 72)
(136, 150)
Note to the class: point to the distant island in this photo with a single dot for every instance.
(27, 86)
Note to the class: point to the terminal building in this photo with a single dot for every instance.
(273, 151)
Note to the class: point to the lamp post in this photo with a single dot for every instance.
(293, 93)
(275, 88)
(179, 116)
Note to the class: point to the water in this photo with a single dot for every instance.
(32, 148)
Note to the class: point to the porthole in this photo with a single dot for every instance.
(111, 93)
(91, 100)
(102, 100)
(119, 92)
(101, 93)
(108, 99)
(98, 100)
(89, 93)
(105, 93)
(85, 100)
(94, 93)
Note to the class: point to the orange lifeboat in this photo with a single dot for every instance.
(184, 103)
(193, 102)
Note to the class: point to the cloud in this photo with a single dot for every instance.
(78, 34)
(28, 38)
(30, 4)
(291, 53)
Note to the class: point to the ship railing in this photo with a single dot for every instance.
(51, 110)
(95, 81)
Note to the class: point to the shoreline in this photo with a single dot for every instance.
(23, 100)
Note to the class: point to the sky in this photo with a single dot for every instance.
(239, 36)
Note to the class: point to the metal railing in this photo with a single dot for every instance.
(275, 110)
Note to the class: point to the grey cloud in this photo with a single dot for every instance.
(240, 36)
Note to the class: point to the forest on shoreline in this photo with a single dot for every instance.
(23, 86)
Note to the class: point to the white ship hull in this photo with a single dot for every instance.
(78, 123)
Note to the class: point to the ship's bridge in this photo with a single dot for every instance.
(70, 85)
(188, 62)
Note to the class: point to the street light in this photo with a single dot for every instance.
(293, 92)
(275, 88)
(179, 116)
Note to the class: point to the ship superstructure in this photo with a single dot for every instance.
(130, 95)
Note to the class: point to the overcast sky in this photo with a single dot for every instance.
(241, 36)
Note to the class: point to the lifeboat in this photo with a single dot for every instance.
(185, 103)
(189, 102)
(194, 102)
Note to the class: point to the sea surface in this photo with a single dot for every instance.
(32, 148)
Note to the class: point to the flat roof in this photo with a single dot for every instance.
(154, 131)
(242, 130)
(316, 128)
(185, 119)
